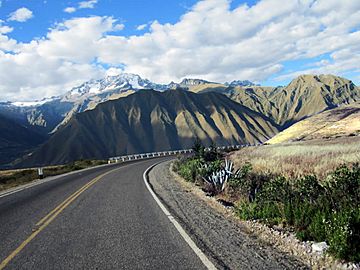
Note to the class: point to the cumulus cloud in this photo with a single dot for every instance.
(52, 65)
(21, 15)
(4, 29)
(88, 4)
(141, 27)
(217, 43)
(82, 5)
(70, 10)
(210, 41)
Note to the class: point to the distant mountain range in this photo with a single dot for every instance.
(278, 107)
(47, 115)
(152, 121)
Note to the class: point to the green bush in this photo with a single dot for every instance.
(344, 234)
(247, 211)
(320, 212)
(343, 187)
(241, 179)
(190, 169)
(326, 210)
(318, 227)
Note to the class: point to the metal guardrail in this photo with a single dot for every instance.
(170, 153)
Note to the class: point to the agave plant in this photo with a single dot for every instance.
(219, 178)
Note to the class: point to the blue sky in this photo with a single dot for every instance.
(134, 13)
(64, 43)
(131, 12)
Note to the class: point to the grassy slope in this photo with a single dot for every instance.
(317, 157)
(339, 122)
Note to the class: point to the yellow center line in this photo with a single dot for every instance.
(61, 204)
(44, 222)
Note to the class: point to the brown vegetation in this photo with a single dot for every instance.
(297, 159)
(13, 178)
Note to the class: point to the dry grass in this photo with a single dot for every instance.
(13, 178)
(317, 157)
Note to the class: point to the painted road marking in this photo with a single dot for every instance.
(208, 264)
(44, 222)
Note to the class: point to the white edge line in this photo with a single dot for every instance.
(208, 264)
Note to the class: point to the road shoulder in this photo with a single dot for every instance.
(229, 243)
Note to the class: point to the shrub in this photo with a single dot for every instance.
(344, 234)
(247, 211)
(308, 188)
(212, 154)
(190, 169)
(241, 176)
(318, 227)
(343, 187)
(198, 148)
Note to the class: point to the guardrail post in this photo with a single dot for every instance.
(40, 173)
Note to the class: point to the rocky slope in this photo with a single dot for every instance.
(16, 140)
(306, 95)
(153, 121)
(49, 114)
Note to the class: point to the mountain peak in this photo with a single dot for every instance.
(328, 79)
(241, 83)
(114, 83)
(189, 82)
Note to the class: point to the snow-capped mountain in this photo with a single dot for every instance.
(48, 114)
(114, 84)
(33, 103)
(241, 83)
(190, 82)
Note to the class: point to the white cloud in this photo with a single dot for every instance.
(211, 41)
(113, 71)
(82, 5)
(4, 29)
(141, 27)
(52, 65)
(21, 15)
(70, 10)
(88, 4)
(217, 43)
(118, 27)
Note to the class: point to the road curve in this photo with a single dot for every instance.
(102, 218)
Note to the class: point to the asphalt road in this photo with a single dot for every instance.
(112, 222)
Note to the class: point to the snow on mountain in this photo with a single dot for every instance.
(33, 103)
(51, 113)
(241, 83)
(186, 82)
(119, 83)
(102, 89)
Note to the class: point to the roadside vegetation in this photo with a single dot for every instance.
(297, 159)
(13, 178)
(320, 207)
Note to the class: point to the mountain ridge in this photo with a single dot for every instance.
(304, 96)
(152, 121)
(342, 121)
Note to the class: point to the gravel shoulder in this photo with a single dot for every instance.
(228, 243)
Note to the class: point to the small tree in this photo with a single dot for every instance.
(212, 154)
(198, 148)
